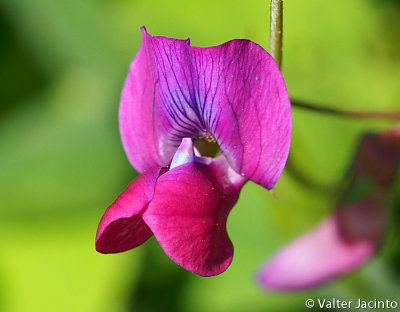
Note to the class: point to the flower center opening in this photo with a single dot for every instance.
(207, 147)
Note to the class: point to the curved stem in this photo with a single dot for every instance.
(275, 30)
(347, 113)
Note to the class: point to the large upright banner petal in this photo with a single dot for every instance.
(233, 93)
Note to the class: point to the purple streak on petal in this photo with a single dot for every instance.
(335, 247)
(188, 216)
(122, 226)
(233, 92)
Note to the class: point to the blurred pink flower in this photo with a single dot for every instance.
(233, 94)
(350, 236)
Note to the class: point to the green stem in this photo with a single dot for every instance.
(347, 113)
(275, 30)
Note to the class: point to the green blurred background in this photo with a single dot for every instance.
(63, 63)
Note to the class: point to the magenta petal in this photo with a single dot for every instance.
(330, 250)
(188, 216)
(233, 92)
(122, 226)
(248, 111)
(138, 114)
